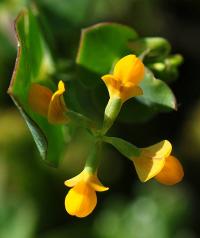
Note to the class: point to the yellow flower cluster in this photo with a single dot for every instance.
(154, 161)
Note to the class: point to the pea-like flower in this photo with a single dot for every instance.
(156, 162)
(127, 74)
(81, 198)
(48, 104)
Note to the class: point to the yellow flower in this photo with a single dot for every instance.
(48, 104)
(81, 198)
(123, 83)
(156, 162)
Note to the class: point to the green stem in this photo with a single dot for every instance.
(111, 112)
(93, 160)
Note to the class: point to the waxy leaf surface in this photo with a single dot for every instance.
(34, 65)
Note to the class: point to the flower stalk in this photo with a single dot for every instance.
(111, 112)
(93, 160)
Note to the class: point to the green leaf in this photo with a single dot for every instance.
(157, 93)
(124, 147)
(39, 137)
(102, 44)
(167, 69)
(34, 64)
(157, 97)
(152, 48)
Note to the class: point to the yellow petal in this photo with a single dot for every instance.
(112, 85)
(57, 106)
(89, 178)
(131, 91)
(39, 99)
(159, 150)
(172, 172)
(108, 79)
(129, 69)
(97, 185)
(80, 200)
(147, 168)
(73, 181)
(152, 160)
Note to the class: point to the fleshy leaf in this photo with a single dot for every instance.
(39, 137)
(153, 48)
(34, 65)
(156, 93)
(102, 44)
(157, 97)
(167, 69)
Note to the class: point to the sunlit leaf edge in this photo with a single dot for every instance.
(36, 131)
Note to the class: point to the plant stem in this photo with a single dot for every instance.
(93, 160)
(111, 112)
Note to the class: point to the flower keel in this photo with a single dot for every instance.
(171, 173)
(81, 198)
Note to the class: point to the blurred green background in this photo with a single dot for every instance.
(32, 194)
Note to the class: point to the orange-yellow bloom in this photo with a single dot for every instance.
(156, 162)
(123, 83)
(81, 198)
(171, 173)
(48, 104)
